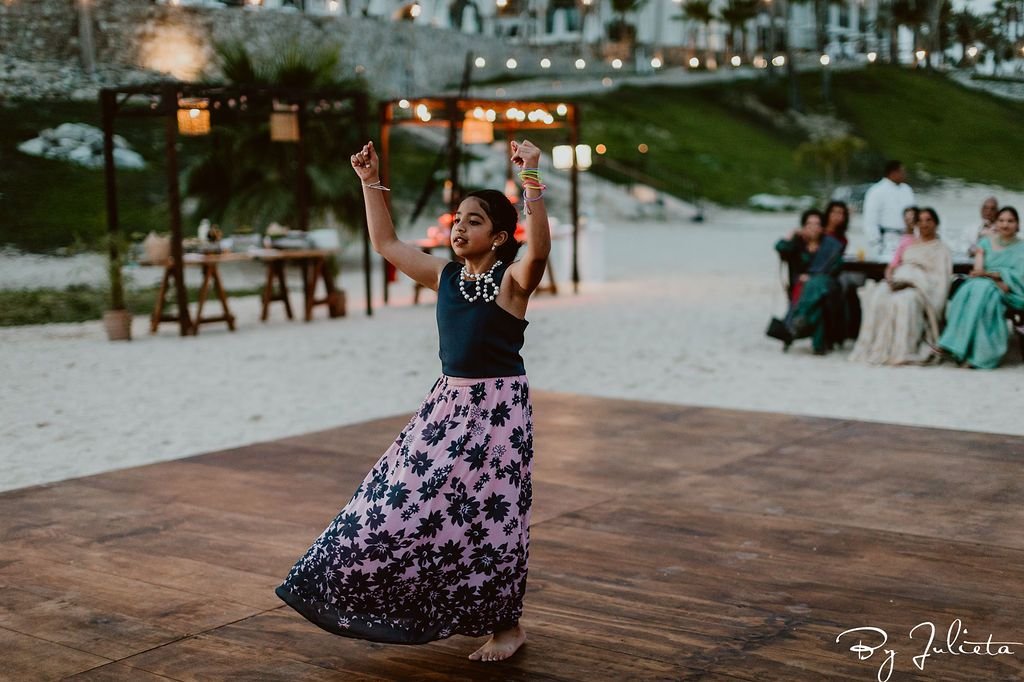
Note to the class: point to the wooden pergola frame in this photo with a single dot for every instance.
(164, 102)
(450, 112)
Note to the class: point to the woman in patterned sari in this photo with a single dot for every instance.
(977, 333)
(902, 314)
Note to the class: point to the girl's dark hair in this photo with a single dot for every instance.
(811, 212)
(1012, 211)
(504, 217)
(930, 211)
(841, 230)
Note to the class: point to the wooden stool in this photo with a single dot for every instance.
(313, 264)
(275, 270)
(209, 263)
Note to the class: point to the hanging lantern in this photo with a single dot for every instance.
(476, 131)
(284, 123)
(583, 156)
(561, 157)
(193, 117)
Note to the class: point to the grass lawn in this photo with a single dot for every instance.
(701, 140)
(47, 204)
(697, 144)
(935, 125)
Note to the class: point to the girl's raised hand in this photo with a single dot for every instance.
(366, 164)
(525, 154)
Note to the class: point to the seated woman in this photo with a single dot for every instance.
(847, 321)
(977, 332)
(837, 221)
(797, 250)
(814, 299)
(902, 314)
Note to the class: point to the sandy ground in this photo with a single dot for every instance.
(680, 318)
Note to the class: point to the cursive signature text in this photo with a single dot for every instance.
(954, 645)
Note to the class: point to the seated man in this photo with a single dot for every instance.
(972, 234)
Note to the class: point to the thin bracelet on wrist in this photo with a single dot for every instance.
(377, 185)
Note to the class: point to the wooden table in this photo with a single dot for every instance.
(313, 264)
(875, 270)
(209, 263)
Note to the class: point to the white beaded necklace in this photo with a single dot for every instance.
(483, 280)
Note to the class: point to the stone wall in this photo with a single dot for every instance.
(396, 58)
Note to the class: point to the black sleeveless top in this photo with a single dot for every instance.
(478, 339)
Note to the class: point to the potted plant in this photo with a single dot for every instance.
(117, 320)
(335, 298)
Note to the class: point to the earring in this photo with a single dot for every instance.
(493, 247)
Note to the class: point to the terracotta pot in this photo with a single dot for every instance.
(118, 324)
(336, 303)
(157, 249)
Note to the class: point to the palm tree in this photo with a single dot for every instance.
(886, 22)
(737, 14)
(699, 11)
(966, 27)
(86, 43)
(245, 179)
(822, 39)
(621, 29)
(795, 102)
(911, 13)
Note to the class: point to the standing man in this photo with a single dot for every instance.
(883, 211)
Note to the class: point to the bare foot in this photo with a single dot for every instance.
(501, 645)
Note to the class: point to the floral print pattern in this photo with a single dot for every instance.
(435, 540)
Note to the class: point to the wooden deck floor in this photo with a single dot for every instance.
(667, 543)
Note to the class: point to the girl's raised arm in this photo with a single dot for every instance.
(421, 267)
(528, 271)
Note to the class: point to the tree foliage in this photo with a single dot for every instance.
(245, 178)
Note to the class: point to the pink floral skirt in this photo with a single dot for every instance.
(435, 540)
